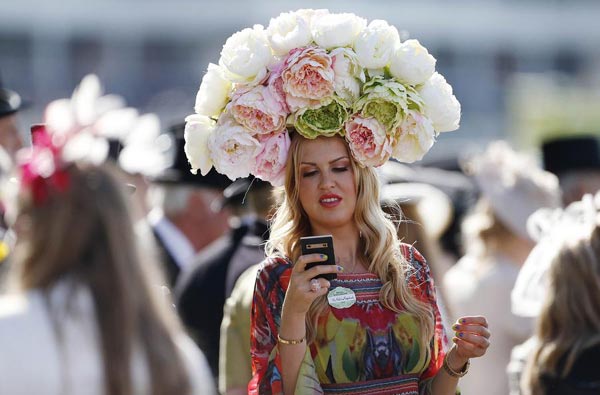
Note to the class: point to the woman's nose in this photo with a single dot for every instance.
(326, 181)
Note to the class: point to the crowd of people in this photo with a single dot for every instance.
(125, 271)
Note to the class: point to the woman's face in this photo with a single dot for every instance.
(327, 189)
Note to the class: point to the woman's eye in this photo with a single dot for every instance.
(309, 173)
(340, 169)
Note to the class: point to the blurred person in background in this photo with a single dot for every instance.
(576, 162)
(235, 369)
(10, 142)
(497, 244)
(182, 217)
(10, 137)
(87, 315)
(564, 353)
(202, 289)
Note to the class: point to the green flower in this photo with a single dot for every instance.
(387, 100)
(326, 120)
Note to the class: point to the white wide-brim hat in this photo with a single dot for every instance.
(549, 227)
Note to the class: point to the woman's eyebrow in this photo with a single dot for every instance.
(332, 161)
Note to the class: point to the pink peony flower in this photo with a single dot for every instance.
(275, 85)
(307, 76)
(368, 141)
(270, 163)
(258, 110)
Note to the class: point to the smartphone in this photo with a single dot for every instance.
(319, 245)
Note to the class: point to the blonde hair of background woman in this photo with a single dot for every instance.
(379, 242)
(570, 318)
(86, 233)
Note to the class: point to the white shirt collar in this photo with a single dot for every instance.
(175, 242)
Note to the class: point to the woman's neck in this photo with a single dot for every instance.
(346, 245)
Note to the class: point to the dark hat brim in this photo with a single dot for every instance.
(10, 102)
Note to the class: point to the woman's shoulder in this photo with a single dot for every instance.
(275, 269)
(418, 269)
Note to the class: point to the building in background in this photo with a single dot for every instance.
(154, 52)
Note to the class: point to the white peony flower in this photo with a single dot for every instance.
(336, 30)
(415, 137)
(288, 31)
(348, 75)
(375, 45)
(213, 93)
(310, 15)
(246, 55)
(411, 63)
(198, 129)
(232, 149)
(440, 104)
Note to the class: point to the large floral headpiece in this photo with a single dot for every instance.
(324, 74)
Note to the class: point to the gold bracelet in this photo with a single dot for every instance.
(290, 342)
(452, 372)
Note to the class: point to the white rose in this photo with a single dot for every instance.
(415, 137)
(348, 75)
(375, 45)
(214, 92)
(246, 55)
(336, 30)
(288, 31)
(411, 63)
(440, 104)
(233, 150)
(198, 128)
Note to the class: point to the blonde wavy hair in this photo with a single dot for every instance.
(379, 243)
(569, 321)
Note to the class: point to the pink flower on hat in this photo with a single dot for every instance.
(270, 163)
(307, 76)
(368, 141)
(258, 111)
(275, 85)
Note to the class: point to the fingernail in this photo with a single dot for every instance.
(460, 334)
(462, 321)
(340, 268)
(323, 256)
(455, 326)
(455, 340)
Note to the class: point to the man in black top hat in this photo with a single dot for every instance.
(575, 160)
(10, 103)
(182, 218)
(201, 291)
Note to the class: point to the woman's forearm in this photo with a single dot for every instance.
(445, 383)
(293, 328)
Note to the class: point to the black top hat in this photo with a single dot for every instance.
(571, 153)
(180, 170)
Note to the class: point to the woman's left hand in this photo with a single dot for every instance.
(471, 339)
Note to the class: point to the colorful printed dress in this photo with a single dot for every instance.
(364, 349)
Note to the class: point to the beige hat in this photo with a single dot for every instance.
(514, 185)
(433, 206)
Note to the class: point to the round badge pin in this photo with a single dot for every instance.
(341, 297)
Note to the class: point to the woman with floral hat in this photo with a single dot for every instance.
(313, 104)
